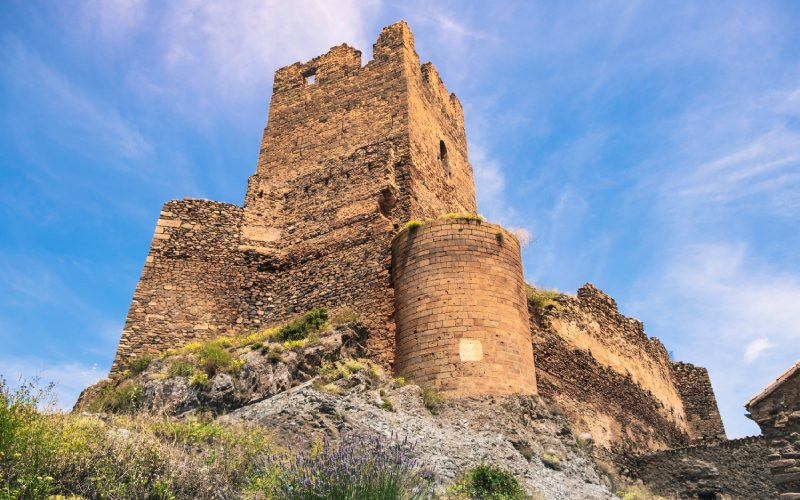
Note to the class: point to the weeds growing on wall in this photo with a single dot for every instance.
(541, 298)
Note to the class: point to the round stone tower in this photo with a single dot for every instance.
(460, 309)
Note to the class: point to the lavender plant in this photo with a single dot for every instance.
(357, 469)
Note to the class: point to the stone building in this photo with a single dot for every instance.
(776, 410)
(350, 154)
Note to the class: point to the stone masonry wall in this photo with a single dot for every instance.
(777, 413)
(699, 403)
(462, 320)
(609, 378)
(187, 288)
(734, 469)
(338, 173)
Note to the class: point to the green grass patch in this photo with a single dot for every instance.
(487, 482)
(140, 364)
(122, 398)
(432, 399)
(181, 368)
(302, 327)
(199, 380)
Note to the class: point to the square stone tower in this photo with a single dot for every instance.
(349, 154)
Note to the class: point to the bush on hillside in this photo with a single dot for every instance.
(358, 469)
(302, 327)
(487, 482)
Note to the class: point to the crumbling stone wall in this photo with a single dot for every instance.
(727, 470)
(462, 319)
(777, 412)
(187, 290)
(609, 378)
(699, 402)
(345, 160)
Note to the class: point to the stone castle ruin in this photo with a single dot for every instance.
(351, 153)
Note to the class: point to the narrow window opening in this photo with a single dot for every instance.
(310, 77)
(443, 158)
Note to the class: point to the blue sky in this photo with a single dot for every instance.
(652, 149)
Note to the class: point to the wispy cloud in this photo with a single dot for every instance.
(720, 305)
(206, 53)
(754, 349)
(70, 378)
(88, 125)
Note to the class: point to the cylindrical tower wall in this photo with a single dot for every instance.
(460, 309)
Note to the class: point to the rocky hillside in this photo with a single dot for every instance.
(311, 387)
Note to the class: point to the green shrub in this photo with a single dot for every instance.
(413, 225)
(294, 345)
(213, 357)
(188, 432)
(302, 327)
(274, 355)
(400, 381)
(122, 398)
(181, 368)
(26, 443)
(432, 399)
(235, 366)
(331, 372)
(487, 482)
(541, 298)
(119, 457)
(140, 364)
(387, 405)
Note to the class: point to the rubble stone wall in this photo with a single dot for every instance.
(187, 287)
(730, 469)
(609, 378)
(462, 319)
(699, 403)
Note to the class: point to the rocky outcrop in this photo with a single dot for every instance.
(518, 433)
(262, 371)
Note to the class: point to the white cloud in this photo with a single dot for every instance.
(754, 349)
(70, 378)
(231, 48)
(720, 306)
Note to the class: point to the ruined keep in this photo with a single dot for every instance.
(351, 153)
